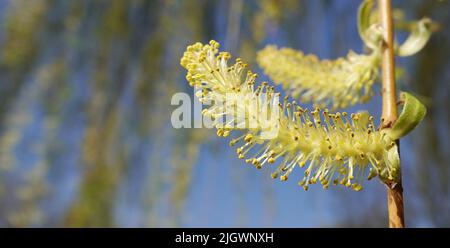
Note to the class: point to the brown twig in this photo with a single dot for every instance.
(389, 112)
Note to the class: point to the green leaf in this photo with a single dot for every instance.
(369, 33)
(393, 158)
(364, 18)
(412, 114)
(392, 161)
(417, 39)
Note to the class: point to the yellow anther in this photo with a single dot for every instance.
(220, 132)
(302, 164)
(356, 187)
(248, 137)
(226, 133)
(274, 175)
(362, 156)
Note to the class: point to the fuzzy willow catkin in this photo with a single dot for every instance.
(337, 83)
(333, 148)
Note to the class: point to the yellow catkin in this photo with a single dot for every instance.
(336, 83)
(332, 148)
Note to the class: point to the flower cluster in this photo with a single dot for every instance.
(337, 83)
(334, 148)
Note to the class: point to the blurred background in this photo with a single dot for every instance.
(85, 132)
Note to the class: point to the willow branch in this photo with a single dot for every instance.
(389, 112)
